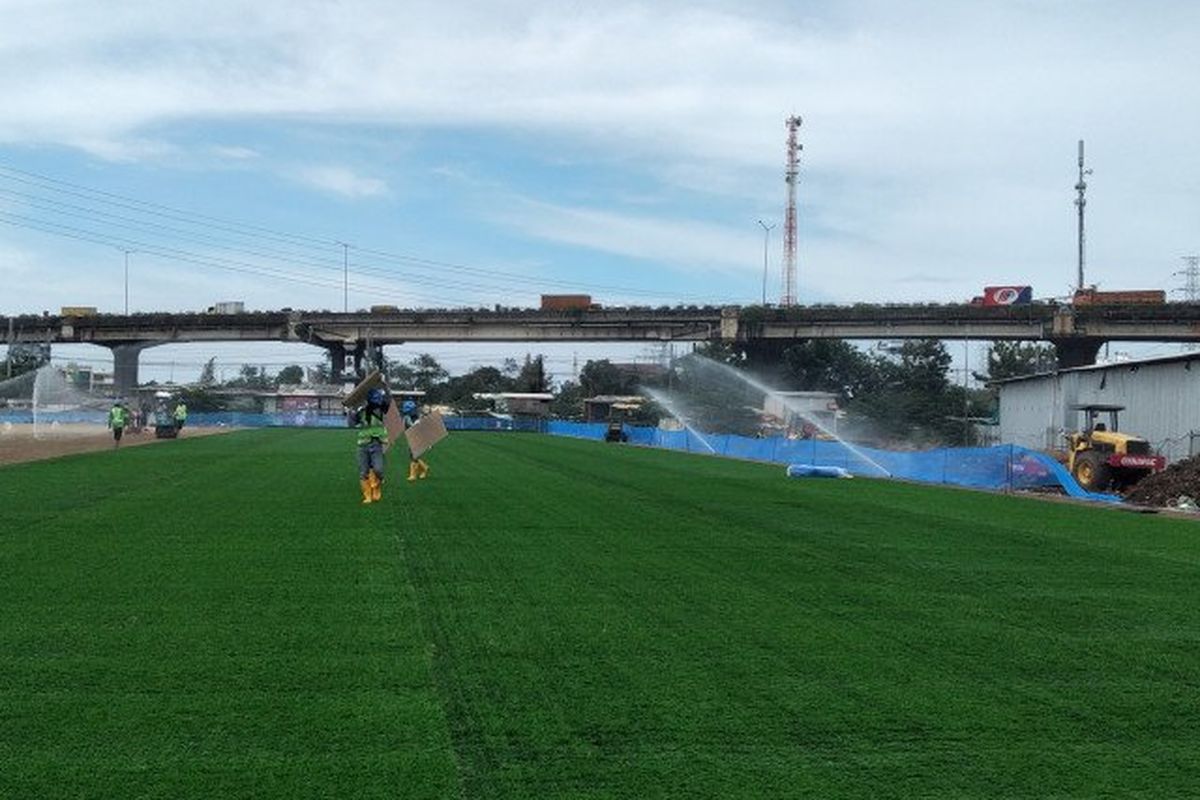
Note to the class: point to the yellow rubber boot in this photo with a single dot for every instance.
(368, 497)
(412, 470)
(376, 488)
(422, 467)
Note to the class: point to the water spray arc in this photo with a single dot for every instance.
(674, 411)
(799, 412)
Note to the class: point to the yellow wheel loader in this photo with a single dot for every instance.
(1101, 457)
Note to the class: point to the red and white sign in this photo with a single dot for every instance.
(1007, 295)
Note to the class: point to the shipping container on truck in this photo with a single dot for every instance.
(566, 302)
(228, 307)
(1132, 297)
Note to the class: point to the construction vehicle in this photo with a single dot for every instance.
(164, 420)
(1101, 457)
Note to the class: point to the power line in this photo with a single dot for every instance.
(216, 262)
(48, 183)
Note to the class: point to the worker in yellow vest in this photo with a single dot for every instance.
(118, 418)
(372, 435)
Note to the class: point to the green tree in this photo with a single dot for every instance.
(427, 372)
(603, 377)
(828, 365)
(23, 358)
(252, 378)
(1015, 359)
(400, 376)
(532, 377)
(290, 375)
(568, 402)
(460, 390)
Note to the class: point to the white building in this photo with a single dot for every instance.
(1161, 397)
(820, 407)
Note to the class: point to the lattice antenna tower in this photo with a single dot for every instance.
(1191, 279)
(791, 176)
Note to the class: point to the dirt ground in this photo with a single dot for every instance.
(18, 444)
(1181, 479)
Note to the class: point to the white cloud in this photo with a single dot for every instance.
(938, 137)
(234, 152)
(680, 243)
(341, 181)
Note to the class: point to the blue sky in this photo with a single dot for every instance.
(627, 148)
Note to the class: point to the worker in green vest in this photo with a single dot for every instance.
(372, 436)
(118, 418)
(180, 415)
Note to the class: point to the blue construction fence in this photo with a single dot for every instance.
(1002, 467)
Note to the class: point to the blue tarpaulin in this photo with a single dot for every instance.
(999, 467)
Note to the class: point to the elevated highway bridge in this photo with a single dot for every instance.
(1077, 332)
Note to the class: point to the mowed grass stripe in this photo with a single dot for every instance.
(611, 621)
(215, 617)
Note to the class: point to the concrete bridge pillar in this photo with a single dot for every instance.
(125, 366)
(353, 361)
(337, 361)
(1077, 351)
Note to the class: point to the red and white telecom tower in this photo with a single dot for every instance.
(789, 221)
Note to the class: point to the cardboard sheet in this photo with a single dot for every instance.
(429, 430)
(394, 424)
(358, 395)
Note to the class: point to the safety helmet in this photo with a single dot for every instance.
(409, 406)
(376, 397)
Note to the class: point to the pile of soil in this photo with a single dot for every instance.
(1181, 479)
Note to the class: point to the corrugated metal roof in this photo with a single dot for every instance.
(1179, 358)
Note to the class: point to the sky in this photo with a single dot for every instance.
(456, 153)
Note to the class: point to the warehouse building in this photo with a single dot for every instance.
(1161, 397)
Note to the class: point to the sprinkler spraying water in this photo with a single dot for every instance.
(759, 386)
(673, 410)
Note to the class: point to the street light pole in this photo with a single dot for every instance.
(345, 276)
(126, 251)
(766, 243)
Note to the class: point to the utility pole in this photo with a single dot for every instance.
(345, 276)
(766, 246)
(1080, 202)
(126, 251)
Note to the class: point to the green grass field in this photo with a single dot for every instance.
(552, 618)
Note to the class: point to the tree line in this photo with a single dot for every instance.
(902, 392)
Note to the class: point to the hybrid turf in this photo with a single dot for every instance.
(556, 618)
